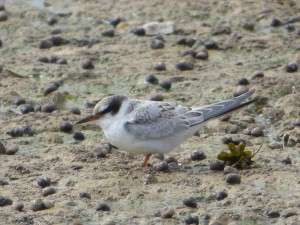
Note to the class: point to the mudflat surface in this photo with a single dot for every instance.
(249, 43)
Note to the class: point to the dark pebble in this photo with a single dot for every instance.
(163, 167)
(257, 132)
(48, 191)
(75, 111)
(190, 42)
(217, 165)
(185, 65)
(1, 44)
(190, 202)
(20, 101)
(273, 214)
(160, 66)
(258, 75)
(62, 61)
(138, 31)
(4, 201)
(88, 65)
(233, 178)
(291, 67)
(161, 157)
(53, 59)
(44, 182)
(66, 127)
(50, 88)
(57, 40)
(51, 20)
(294, 19)
(198, 155)
(2, 7)
(157, 97)
(37, 205)
(157, 44)
(90, 104)
(181, 41)
(243, 81)
(160, 37)
(286, 160)
(206, 217)
(167, 212)
(26, 109)
(191, 220)
(238, 141)
(3, 182)
(48, 108)
(18, 206)
(79, 136)
(211, 45)
(19, 132)
(3, 16)
(157, 213)
(108, 33)
(188, 52)
(221, 195)
(276, 22)
(102, 207)
(43, 59)
(227, 140)
(85, 195)
(171, 159)
(166, 84)
(2, 148)
(56, 31)
(151, 79)
(289, 27)
(202, 55)
(44, 44)
(248, 26)
(114, 22)
(289, 214)
(229, 169)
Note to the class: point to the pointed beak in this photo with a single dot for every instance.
(88, 119)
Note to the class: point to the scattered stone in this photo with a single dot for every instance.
(4, 201)
(51, 20)
(85, 195)
(217, 165)
(223, 29)
(233, 178)
(1, 45)
(102, 207)
(44, 44)
(44, 182)
(198, 155)
(27, 108)
(231, 129)
(56, 31)
(48, 108)
(190, 202)
(294, 19)
(167, 212)
(159, 156)
(138, 31)
(243, 81)
(171, 159)
(100, 152)
(286, 160)
(226, 140)
(2, 8)
(57, 40)
(79, 136)
(88, 65)
(66, 127)
(151, 79)
(291, 67)
(202, 55)
(18, 206)
(181, 41)
(43, 59)
(19, 132)
(37, 205)
(108, 33)
(276, 22)
(163, 167)
(114, 22)
(289, 214)
(257, 132)
(190, 42)
(275, 145)
(290, 27)
(75, 111)
(211, 45)
(248, 26)
(157, 44)
(273, 214)
(241, 89)
(247, 131)
(48, 204)
(166, 84)
(50, 88)
(191, 220)
(3, 182)
(11, 149)
(48, 191)
(206, 218)
(184, 65)
(160, 66)
(155, 28)
(221, 195)
(20, 101)
(3, 16)
(230, 169)
(258, 75)
(157, 97)
(62, 62)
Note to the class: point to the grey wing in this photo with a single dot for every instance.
(152, 120)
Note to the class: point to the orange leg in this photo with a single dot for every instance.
(147, 157)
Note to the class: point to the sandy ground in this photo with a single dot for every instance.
(121, 64)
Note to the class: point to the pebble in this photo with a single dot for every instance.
(102, 207)
(157, 97)
(56, 31)
(291, 67)
(155, 28)
(50, 88)
(289, 214)
(62, 62)
(100, 152)
(2, 7)
(43, 59)
(27, 108)
(206, 217)
(247, 131)
(190, 41)
(53, 59)
(273, 214)
(108, 33)
(51, 20)
(157, 44)
(4, 201)
(226, 140)
(163, 167)
(211, 45)
(20, 101)
(3, 16)
(66, 127)
(198, 155)
(221, 195)
(166, 84)
(44, 44)
(181, 41)
(289, 27)
(85, 195)
(202, 55)
(75, 111)
(233, 178)
(167, 212)
(241, 89)
(230, 169)
(171, 159)
(191, 220)
(217, 165)
(188, 52)
(57, 40)
(3, 182)
(114, 22)
(160, 66)
(18, 206)
(190, 202)
(44, 182)
(48, 108)
(48, 204)
(159, 156)
(79, 136)
(19, 132)
(231, 129)
(276, 22)
(48, 191)
(248, 26)
(258, 75)
(243, 81)
(286, 160)
(184, 65)
(1, 45)
(151, 79)
(275, 145)
(37, 205)
(11, 149)
(87, 65)
(257, 132)
(138, 31)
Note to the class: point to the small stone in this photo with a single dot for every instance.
(163, 167)
(166, 84)
(44, 182)
(191, 220)
(294, 19)
(4, 201)
(217, 165)
(85, 195)
(3, 16)
(108, 33)
(275, 145)
(231, 129)
(43, 59)
(88, 65)
(247, 131)
(37, 205)
(51, 20)
(273, 214)
(230, 169)
(276, 22)
(289, 214)
(66, 127)
(248, 26)
(2, 8)
(114, 22)
(198, 155)
(56, 31)
(171, 159)
(159, 156)
(44, 44)
(20, 101)
(75, 111)
(79, 136)
(48, 191)
(159, 28)
(100, 152)
(206, 217)
(167, 212)
(181, 41)
(243, 81)
(202, 55)
(138, 31)
(211, 45)
(225, 118)
(184, 65)
(151, 79)
(27, 108)
(18, 206)
(257, 132)
(241, 89)
(190, 42)
(221, 195)
(291, 67)
(48, 108)
(286, 160)
(290, 27)
(233, 178)
(160, 66)
(157, 97)
(157, 44)
(12, 149)
(190, 202)
(57, 40)
(227, 140)
(50, 88)
(258, 75)
(102, 207)
(62, 62)
(3, 182)
(48, 204)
